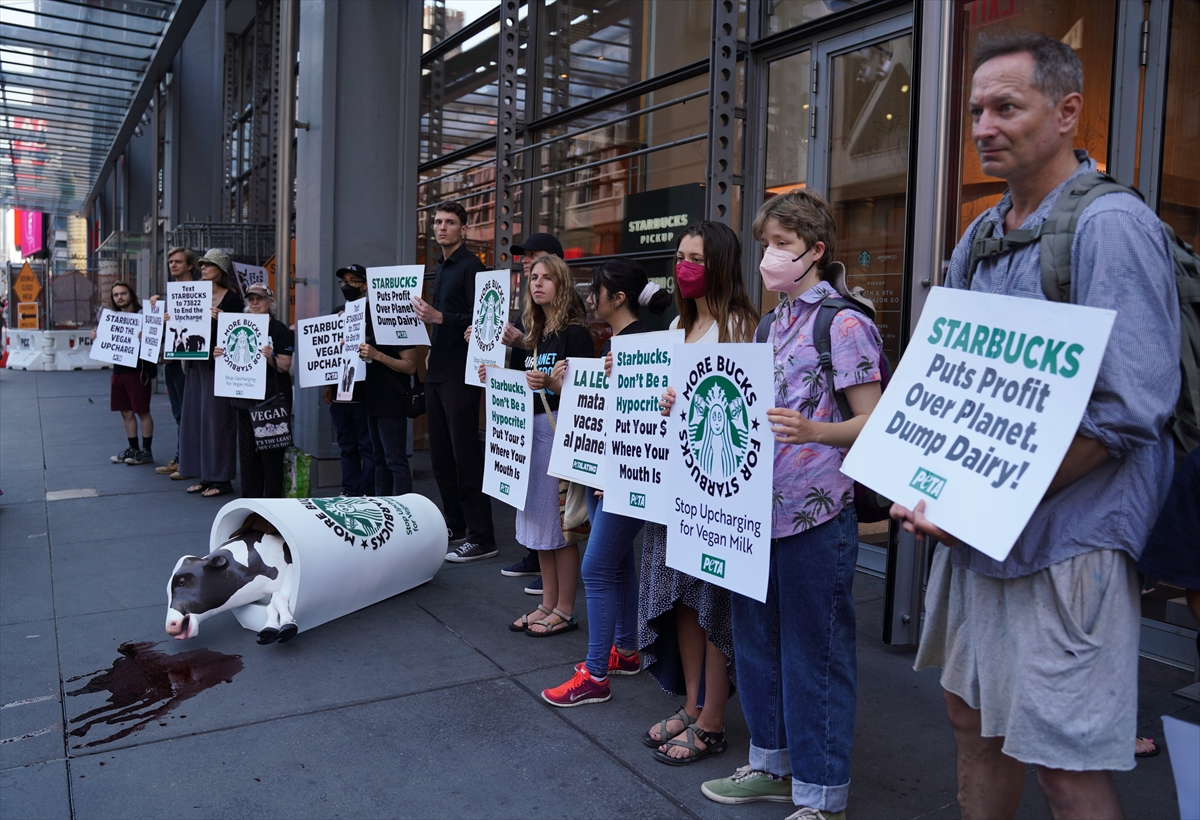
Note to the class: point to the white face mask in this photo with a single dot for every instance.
(781, 271)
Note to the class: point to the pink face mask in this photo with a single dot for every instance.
(690, 278)
(781, 270)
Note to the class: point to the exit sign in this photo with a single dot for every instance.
(986, 12)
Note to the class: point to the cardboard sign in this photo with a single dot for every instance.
(579, 440)
(636, 462)
(354, 333)
(722, 466)
(117, 338)
(487, 323)
(248, 275)
(319, 351)
(981, 411)
(27, 315)
(509, 436)
(152, 331)
(391, 291)
(241, 369)
(189, 306)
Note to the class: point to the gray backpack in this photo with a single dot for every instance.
(1057, 234)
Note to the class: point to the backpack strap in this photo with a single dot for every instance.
(763, 331)
(822, 341)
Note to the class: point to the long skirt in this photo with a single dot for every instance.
(207, 429)
(539, 526)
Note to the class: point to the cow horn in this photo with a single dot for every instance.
(217, 562)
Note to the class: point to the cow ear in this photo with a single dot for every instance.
(217, 562)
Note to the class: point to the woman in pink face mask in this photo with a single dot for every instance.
(713, 307)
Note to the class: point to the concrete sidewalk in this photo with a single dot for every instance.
(424, 705)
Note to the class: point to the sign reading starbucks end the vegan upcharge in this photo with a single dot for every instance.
(981, 411)
(508, 441)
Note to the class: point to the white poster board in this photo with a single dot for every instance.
(117, 338)
(391, 291)
(636, 459)
(241, 369)
(319, 350)
(152, 330)
(1183, 747)
(579, 440)
(249, 275)
(509, 435)
(981, 410)
(490, 315)
(722, 466)
(354, 333)
(189, 306)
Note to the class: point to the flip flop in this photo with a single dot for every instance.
(525, 620)
(197, 488)
(216, 490)
(1153, 751)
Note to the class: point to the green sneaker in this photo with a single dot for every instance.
(748, 785)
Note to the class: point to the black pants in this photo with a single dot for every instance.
(390, 438)
(262, 473)
(175, 378)
(358, 453)
(452, 408)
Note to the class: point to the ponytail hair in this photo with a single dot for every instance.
(622, 275)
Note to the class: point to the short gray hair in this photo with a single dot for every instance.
(1057, 70)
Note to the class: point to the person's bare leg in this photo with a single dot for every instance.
(147, 424)
(130, 420)
(549, 587)
(716, 694)
(690, 637)
(567, 560)
(1080, 795)
(989, 781)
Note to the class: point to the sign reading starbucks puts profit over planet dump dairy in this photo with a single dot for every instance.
(579, 440)
(722, 460)
(490, 315)
(508, 439)
(319, 350)
(636, 462)
(981, 411)
(117, 338)
(241, 369)
(391, 291)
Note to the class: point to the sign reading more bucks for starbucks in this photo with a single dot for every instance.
(241, 370)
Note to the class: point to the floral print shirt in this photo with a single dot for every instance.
(809, 487)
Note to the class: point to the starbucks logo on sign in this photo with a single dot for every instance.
(718, 428)
(490, 324)
(242, 350)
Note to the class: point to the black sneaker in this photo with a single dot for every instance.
(455, 539)
(534, 588)
(529, 565)
(142, 456)
(469, 551)
(120, 457)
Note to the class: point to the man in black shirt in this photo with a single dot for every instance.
(452, 405)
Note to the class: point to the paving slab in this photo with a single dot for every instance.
(113, 479)
(22, 485)
(99, 519)
(25, 585)
(36, 791)
(23, 524)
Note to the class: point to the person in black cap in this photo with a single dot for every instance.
(350, 424)
(451, 404)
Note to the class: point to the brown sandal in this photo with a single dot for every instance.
(682, 716)
(565, 623)
(525, 620)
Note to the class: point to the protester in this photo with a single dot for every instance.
(452, 404)
(208, 424)
(350, 425)
(1039, 652)
(610, 581)
(130, 388)
(796, 663)
(262, 472)
(684, 633)
(181, 264)
(386, 392)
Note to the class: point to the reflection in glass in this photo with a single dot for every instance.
(788, 118)
(1179, 200)
(785, 14)
(868, 173)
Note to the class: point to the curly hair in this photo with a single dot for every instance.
(565, 310)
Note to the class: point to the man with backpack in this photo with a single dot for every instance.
(1039, 651)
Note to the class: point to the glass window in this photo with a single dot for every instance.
(1179, 198)
(444, 18)
(472, 183)
(785, 14)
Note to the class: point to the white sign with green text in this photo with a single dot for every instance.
(979, 414)
(508, 441)
(391, 291)
(490, 315)
(579, 440)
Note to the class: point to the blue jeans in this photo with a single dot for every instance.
(389, 437)
(610, 583)
(358, 453)
(796, 664)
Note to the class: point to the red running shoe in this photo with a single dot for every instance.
(580, 689)
(619, 664)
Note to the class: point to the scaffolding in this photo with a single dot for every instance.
(249, 243)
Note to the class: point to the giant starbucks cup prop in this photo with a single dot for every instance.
(286, 565)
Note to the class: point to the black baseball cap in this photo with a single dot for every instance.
(357, 270)
(540, 242)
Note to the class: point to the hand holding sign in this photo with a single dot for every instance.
(486, 345)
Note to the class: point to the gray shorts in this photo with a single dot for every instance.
(1049, 659)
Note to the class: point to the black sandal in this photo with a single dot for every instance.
(224, 488)
(198, 488)
(714, 744)
(682, 716)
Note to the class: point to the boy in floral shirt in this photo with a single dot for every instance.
(796, 662)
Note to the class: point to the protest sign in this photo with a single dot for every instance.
(319, 350)
(189, 306)
(721, 468)
(579, 445)
(487, 323)
(250, 275)
(241, 369)
(391, 291)
(636, 459)
(152, 330)
(509, 435)
(354, 333)
(981, 410)
(117, 338)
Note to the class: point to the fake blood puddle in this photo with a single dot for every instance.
(145, 684)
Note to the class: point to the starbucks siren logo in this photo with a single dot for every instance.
(490, 324)
(357, 520)
(241, 346)
(718, 445)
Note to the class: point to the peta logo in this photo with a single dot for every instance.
(713, 566)
(402, 334)
(503, 488)
(637, 500)
(931, 484)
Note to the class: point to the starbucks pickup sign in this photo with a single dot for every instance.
(489, 317)
(509, 435)
(579, 440)
(391, 292)
(981, 411)
(722, 465)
